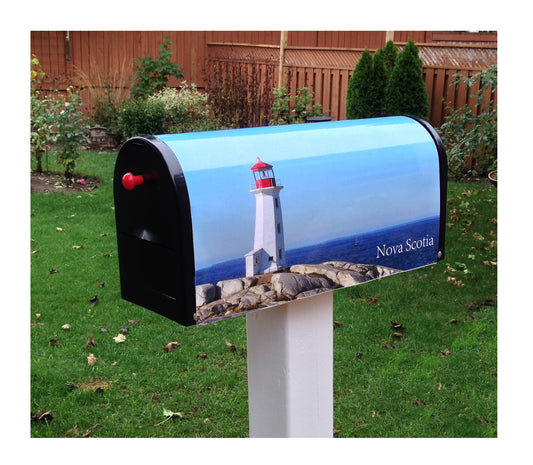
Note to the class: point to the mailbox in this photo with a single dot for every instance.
(215, 224)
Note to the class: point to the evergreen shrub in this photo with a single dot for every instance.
(406, 92)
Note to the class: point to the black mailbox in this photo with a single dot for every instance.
(215, 224)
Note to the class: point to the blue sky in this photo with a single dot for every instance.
(349, 178)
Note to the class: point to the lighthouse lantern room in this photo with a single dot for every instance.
(263, 174)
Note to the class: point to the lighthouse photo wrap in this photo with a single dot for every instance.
(281, 213)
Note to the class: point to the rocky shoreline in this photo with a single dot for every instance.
(235, 296)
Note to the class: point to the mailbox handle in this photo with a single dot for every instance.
(130, 181)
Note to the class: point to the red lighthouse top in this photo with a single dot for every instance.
(263, 175)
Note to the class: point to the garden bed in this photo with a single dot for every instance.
(45, 182)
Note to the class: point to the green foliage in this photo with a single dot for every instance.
(302, 106)
(390, 54)
(281, 107)
(141, 116)
(379, 84)
(56, 119)
(186, 109)
(72, 128)
(360, 94)
(471, 133)
(387, 84)
(152, 73)
(43, 111)
(406, 92)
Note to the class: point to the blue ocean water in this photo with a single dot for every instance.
(403, 247)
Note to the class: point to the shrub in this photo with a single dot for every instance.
(359, 99)
(239, 94)
(390, 54)
(141, 116)
(470, 135)
(302, 107)
(71, 127)
(186, 109)
(43, 112)
(281, 109)
(406, 92)
(379, 84)
(152, 73)
(56, 119)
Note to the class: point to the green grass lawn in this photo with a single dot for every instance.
(438, 380)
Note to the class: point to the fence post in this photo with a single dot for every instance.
(282, 46)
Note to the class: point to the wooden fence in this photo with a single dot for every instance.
(326, 72)
(323, 61)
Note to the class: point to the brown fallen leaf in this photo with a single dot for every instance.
(171, 346)
(65, 327)
(54, 342)
(94, 301)
(371, 301)
(91, 360)
(455, 281)
(76, 434)
(397, 335)
(53, 271)
(452, 321)
(41, 415)
(337, 324)
(396, 326)
(202, 356)
(445, 352)
(133, 322)
(91, 342)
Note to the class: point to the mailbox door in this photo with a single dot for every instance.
(154, 233)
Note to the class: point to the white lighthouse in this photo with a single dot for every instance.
(269, 246)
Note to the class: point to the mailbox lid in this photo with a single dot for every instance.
(154, 234)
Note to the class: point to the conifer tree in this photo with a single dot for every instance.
(390, 53)
(406, 92)
(379, 84)
(360, 89)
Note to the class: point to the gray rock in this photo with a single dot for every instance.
(290, 284)
(230, 287)
(205, 293)
(344, 274)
